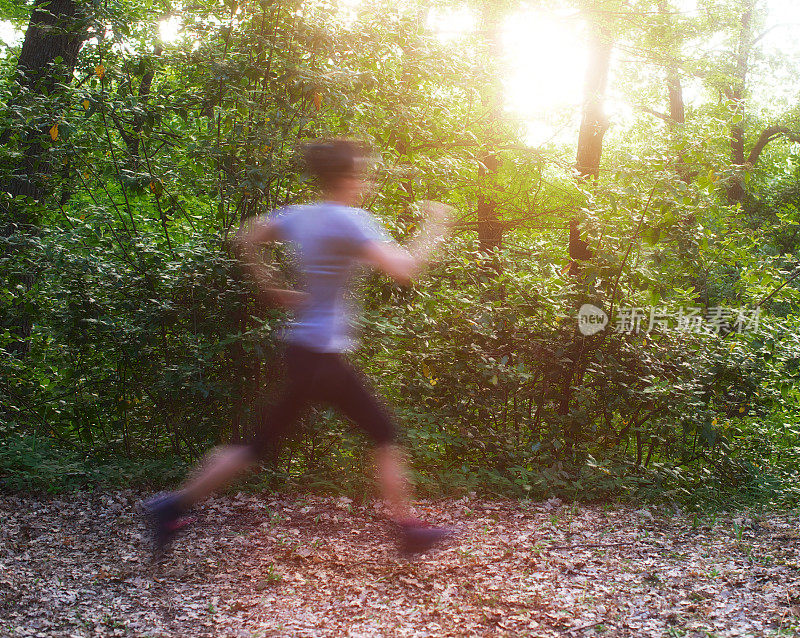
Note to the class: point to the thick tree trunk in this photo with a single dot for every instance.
(590, 136)
(677, 111)
(56, 29)
(55, 33)
(594, 122)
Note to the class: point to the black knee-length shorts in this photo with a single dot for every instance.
(327, 378)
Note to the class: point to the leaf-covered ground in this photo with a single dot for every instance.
(308, 566)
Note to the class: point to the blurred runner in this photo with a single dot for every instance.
(332, 237)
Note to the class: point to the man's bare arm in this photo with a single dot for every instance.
(247, 241)
(402, 264)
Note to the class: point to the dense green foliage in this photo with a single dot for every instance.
(147, 343)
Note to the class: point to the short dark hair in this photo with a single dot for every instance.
(328, 160)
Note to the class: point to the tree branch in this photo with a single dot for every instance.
(649, 111)
(768, 135)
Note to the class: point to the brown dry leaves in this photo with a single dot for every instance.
(308, 566)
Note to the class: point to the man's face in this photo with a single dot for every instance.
(357, 188)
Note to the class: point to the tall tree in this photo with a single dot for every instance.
(736, 95)
(490, 229)
(594, 122)
(749, 17)
(49, 53)
(55, 34)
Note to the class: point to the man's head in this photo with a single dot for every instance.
(341, 166)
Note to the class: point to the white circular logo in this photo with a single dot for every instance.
(591, 319)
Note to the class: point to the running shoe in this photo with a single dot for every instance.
(165, 518)
(416, 536)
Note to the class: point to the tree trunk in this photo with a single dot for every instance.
(594, 122)
(57, 29)
(667, 34)
(677, 108)
(132, 137)
(55, 33)
(735, 189)
(590, 147)
(490, 229)
(677, 117)
(677, 111)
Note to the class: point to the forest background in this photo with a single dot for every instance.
(641, 156)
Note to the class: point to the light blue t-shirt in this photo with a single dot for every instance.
(329, 239)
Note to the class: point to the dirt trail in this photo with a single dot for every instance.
(307, 566)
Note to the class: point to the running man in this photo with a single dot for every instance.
(332, 237)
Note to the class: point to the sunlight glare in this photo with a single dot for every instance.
(546, 61)
(9, 34)
(348, 11)
(451, 24)
(169, 29)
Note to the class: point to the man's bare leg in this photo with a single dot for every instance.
(392, 481)
(220, 466)
(223, 464)
(165, 512)
(414, 535)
